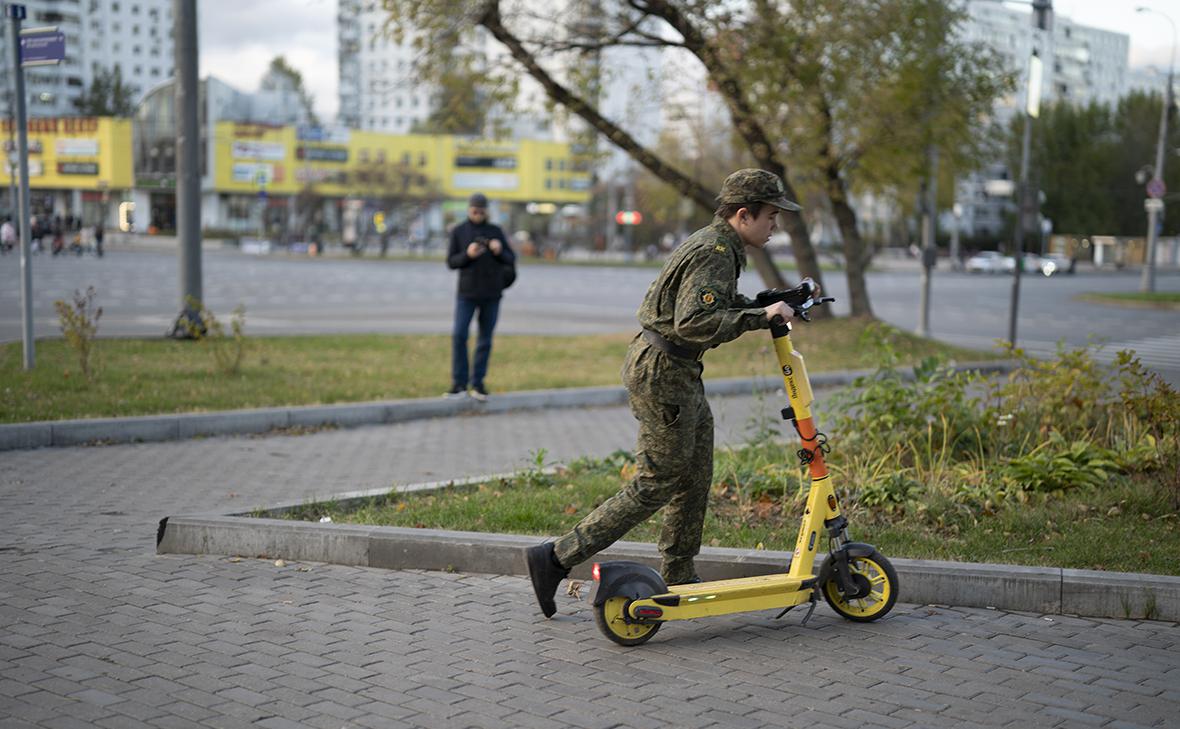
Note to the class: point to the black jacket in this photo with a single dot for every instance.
(481, 277)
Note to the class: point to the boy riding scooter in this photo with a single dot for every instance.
(692, 307)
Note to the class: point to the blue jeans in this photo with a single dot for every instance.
(465, 309)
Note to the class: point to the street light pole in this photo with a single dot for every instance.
(1041, 18)
(1147, 282)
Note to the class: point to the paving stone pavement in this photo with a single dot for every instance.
(97, 630)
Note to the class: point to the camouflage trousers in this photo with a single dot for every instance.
(674, 462)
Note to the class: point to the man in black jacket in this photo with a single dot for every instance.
(482, 254)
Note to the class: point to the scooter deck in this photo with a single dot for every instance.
(743, 594)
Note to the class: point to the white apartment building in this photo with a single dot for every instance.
(1081, 64)
(378, 89)
(133, 35)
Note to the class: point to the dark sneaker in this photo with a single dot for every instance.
(545, 574)
(456, 391)
(478, 392)
(694, 580)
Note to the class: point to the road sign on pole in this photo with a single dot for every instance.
(1153, 205)
(1156, 188)
(15, 14)
(42, 46)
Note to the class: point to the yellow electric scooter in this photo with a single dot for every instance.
(631, 600)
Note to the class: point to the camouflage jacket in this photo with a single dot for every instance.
(694, 301)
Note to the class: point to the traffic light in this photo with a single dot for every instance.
(1042, 13)
(628, 217)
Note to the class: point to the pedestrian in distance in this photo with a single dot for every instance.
(7, 236)
(486, 264)
(98, 236)
(692, 307)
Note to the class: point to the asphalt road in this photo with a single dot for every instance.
(138, 291)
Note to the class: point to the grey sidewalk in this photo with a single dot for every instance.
(99, 631)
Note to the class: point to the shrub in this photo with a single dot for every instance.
(228, 350)
(79, 325)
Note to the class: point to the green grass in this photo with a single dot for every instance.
(155, 376)
(1129, 526)
(1156, 299)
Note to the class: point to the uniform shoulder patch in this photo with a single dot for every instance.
(708, 298)
(720, 248)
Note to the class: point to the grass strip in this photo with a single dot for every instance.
(158, 376)
(1136, 299)
(1127, 527)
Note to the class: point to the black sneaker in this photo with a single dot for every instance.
(455, 391)
(545, 574)
(478, 392)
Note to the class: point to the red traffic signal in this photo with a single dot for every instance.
(628, 217)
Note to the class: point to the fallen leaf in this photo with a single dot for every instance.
(280, 563)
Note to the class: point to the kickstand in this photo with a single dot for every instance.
(810, 610)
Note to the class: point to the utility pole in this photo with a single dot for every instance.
(1155, 188)
(16, 13)
(188, 166)
(1041, 17)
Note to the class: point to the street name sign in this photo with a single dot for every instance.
(42, 46)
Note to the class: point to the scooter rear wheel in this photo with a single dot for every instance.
(877, 589)
(612, 622)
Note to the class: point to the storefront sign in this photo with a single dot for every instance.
(328, 135)
(261, 174)
(499, 163)
(77, 168)
(273, 151)
(53, 125)
(34, 146)
(322, 154)
(72, 147)
(482, 181)
(313, 175)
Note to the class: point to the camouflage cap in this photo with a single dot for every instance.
(751, 185)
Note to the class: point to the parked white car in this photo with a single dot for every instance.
(988, 262)
(1055, 263)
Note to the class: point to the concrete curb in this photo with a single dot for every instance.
(154, 428)
(1051, 591)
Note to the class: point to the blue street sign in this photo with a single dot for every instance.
(39, 48)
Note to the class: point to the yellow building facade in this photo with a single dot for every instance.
(286, 160)
(77, 165)
(255, 174)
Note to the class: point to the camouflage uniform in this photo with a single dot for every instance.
(694, 305)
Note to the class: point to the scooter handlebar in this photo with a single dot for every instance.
(800, 298)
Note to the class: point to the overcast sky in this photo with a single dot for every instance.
(238, 38)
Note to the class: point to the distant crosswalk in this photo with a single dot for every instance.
(1161, 353)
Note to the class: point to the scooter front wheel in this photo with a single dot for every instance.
(612, 622)
(876, 582)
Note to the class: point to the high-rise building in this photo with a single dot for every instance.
(379, 90)
(1081, 65)
(134, 36)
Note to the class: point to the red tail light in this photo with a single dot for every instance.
(595, 572)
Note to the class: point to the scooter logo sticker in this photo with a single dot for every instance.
(708, 299)
(787, 371)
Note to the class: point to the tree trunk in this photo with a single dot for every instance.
(855, 258)
(755, 138)
(793, 223)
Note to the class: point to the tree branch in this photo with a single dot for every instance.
(688, 187)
